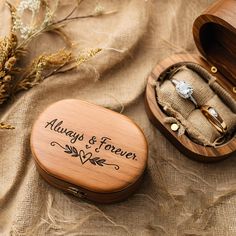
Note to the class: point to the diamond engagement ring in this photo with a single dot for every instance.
(214, 118)
(184, 90)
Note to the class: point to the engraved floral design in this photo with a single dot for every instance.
(83, 156)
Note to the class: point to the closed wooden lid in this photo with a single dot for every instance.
(89, 146)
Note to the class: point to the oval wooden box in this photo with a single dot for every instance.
(214, 33)
(89, 151)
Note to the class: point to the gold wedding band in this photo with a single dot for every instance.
(214, 118)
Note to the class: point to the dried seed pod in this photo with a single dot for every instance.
(14, 40)
(2, 74)
(2, 88)
(7, 49)
(10, 63)
(6, 126)
(7, 78)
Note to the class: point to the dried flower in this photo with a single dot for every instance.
(13, 78)
(10, 63)
(99, 10)
(4, 91)
(32, 5)
(41, 66)
(2, 74)
(25, 30)
(7, 65)
(48, 18)
(83, 57)
(7, 49)
(6, 126)
(18, 25)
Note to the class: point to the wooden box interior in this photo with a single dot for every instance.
(214, 33)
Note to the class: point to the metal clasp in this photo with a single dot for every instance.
(76, 192)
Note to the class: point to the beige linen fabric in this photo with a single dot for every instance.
(178, 196)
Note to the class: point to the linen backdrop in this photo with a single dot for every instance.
(178, 196)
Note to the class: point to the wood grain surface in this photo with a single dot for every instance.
(88, 146)
(156, 115)
(215, 33)
(87, 194)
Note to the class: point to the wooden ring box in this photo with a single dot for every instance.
(89, 151)
(214, 33)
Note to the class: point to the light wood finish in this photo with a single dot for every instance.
(90, 195)
(109, 155)
(215, 33)
(156, 115)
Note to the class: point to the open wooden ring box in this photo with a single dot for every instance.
(214, 33)
(89, 151)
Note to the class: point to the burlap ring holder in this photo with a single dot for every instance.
(191, 119)
(212, 75)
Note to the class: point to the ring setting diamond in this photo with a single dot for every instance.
(213, 112)
(184, 89)
(214, 118)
